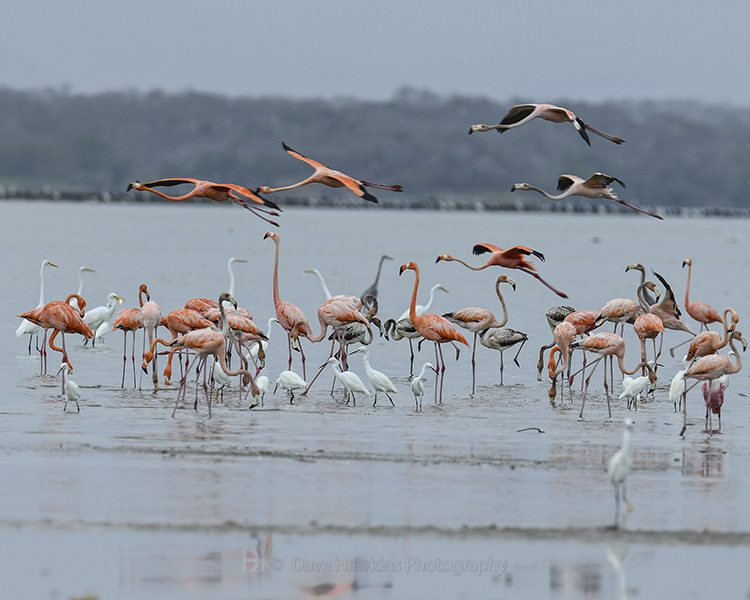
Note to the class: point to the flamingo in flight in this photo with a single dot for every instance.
(218, 192)
(331, 178)
(434, 328)
(596, 186)
(513, 258)
(523, 113)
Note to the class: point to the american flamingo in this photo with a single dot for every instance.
(651, 298)
(351, 381)
(595, 187)
(648, 326)
(379, 380)
(218, 192)
(700, 311)
(27, 327)
(564, 335)
(81, 271)
(618, 470)
(604, 344)
(713, 397)
(403, 328)
(357, 332)
(477, 320)
(619, 311)
(201, 305)
(287, 313)
(585, 322)
(523, 113)
(712, 367)
(372, 290)
(501, 339)
(102, 314)
(513, 258)
(128, 319)
(290, 381)
(62, 318)
(433, 328)
(417, 385)
(331, 178)
(555, 316)
(668, 311)
(71, 390)
(710, 342)
(150, 319)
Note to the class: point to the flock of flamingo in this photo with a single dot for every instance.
(210, 332)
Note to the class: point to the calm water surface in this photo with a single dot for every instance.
(124, 501)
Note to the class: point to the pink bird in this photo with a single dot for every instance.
(128, 319)
(710, 342)
(564, 335)
(713, 396)
(433, 328)
(150, 319)
(700, 311)
(513, 258)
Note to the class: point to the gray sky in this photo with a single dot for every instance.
(536, 50)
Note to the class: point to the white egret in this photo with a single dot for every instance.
(379, 381)
(102, 314)
(326, 291)
(351, 381)
(422, 310)
(633, 388)
(417, 385)
(262, 384)
(231, 273)
(619, 468)
(27, 327)
(81, 271)
(677, 388)
(72, 391)
(290, 381)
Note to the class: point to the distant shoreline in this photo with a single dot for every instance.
(398, 203)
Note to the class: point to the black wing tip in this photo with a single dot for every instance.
(480, 249)
(287, 148)
(369, 197)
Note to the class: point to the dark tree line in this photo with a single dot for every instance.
(677, 154)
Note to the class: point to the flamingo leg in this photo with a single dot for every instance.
(442, 369)
(411, 364)
(474, 365)
(588, 379)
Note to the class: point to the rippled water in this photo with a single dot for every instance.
(124, 501)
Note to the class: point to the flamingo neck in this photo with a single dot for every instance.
(413, 306)
(687, 285)
(276, 296)
(502, 303)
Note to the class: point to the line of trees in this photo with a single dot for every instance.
(678, 154)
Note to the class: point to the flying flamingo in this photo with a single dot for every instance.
(373, 289)
(62, 318)
(217, 192)
(523, 113)
(331, 178)
(604, 344)
(26, 326)
(555, 316)
(710, 342)
(287, 313)
(700, 311)
(477, 320)
(150, 319)
(433, 328)
(513, 258)
(712, 367)
(128, 319)
(596, 186)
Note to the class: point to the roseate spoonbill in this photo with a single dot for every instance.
(417, 385)
(128, 319)
(618, 470)
(290, 381)
(422, 309)
(331, 178)
(379, 380)
(373, 289)
(523, 113)
(477, 320)
(217, 192)
(287, 313)
(700, 311)
(513, 258)
(712, 367)
(150, 319)
(501, 339)
(71, 390)
(102, 314)
(555, 316)
(433, 328)
(81, 271)
(27, 327)
(710, 342)
(595, 187)
(351, 381)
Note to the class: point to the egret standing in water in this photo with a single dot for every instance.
(72, 391)
(618, 470)
(417, 385)
(27, 327)
(379, 381)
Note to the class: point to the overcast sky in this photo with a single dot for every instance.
(536, 50)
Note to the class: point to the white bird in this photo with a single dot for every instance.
(262, 384)
(632, 388)
(81, 271)
(326, 291)
(101, 332)
(72, 391)
(379, 381)
(220, 378)
(231, 273)
(289, 380)
(255, 348)
(351, 381)
(102, 314)
(619, 468)
(677, 388)
(422, 310)
(417, 386)
(27, 327)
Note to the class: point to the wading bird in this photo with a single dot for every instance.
(417, 385)
(403, 328)
(351, 381)
(632, 389)
(27, 327)
(71, 391)
(650, 297)
(231, 272)
(217, 192)
(290, 381)
(331, 178)
(95, 317)
(513, 258)
(373, 289)
(563, 336)
(128, 319)
(618, 470)
(433, 328)
(700, 311)
(379, 380)
(523, 113)
(713, 396)
(81, 271)
(422, 309)
(150, 319)
(555, 316)
(596, 186)
(501, 339)
(710, 342)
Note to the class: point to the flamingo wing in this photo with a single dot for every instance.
(313, 163)
(598, 180)
(352, 184)
(482, 248)
(513, 253)
(243, 191)
(169, 182)
(565, 181)
(670, 295)
(518, 113)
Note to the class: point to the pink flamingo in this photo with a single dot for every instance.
(513, 258)
(710, 342)
(700, 311)
(150, 319)
(433, 328)
(564, 335)
(128, 319)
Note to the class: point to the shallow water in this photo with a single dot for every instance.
(124, 501)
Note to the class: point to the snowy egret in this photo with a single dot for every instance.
(290, 381)
(379, 381)
(619, 468)
(70, 387)
(351, 381)
(417, 385)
